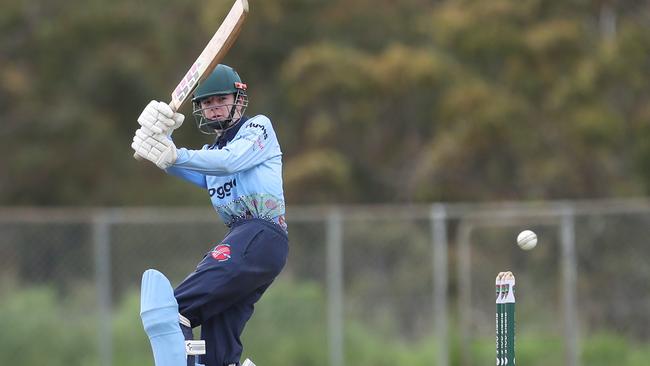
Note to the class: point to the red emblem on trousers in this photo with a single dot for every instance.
(221, 252)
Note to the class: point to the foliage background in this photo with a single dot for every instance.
(298, 337)
(374, 101)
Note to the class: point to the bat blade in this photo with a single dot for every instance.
(212, 54)
(210, 57)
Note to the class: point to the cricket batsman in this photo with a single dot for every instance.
(241, 171)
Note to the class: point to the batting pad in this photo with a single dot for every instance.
(159, 313)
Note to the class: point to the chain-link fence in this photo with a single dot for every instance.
(368, 285)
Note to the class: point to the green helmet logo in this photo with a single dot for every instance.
(223, 81)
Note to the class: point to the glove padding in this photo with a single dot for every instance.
(158, 117)
(157, 148)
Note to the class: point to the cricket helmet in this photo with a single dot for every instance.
(224, 80)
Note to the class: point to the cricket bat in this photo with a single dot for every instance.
(211, 55)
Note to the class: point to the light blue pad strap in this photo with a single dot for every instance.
(159, 313)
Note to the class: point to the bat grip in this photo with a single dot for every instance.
(175, 105)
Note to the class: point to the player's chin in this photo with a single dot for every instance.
(217, 125)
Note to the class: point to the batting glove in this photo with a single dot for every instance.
(157, 148)
(159, 118)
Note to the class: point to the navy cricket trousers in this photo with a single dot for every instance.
(220, 294)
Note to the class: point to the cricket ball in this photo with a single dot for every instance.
(527, 240)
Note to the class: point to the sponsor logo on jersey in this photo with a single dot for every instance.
(224, 190)
(255, 125)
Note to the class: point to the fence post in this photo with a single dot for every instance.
(464, 273)
(569, 286)
(334, 232)
(439, 272)
(102, 257)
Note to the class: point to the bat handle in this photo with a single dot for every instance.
(175, 104)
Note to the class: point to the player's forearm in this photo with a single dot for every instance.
(223, 162)
(195, 178)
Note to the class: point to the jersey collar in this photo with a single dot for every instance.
(230, 133)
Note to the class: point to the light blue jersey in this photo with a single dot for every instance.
(244, 177)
